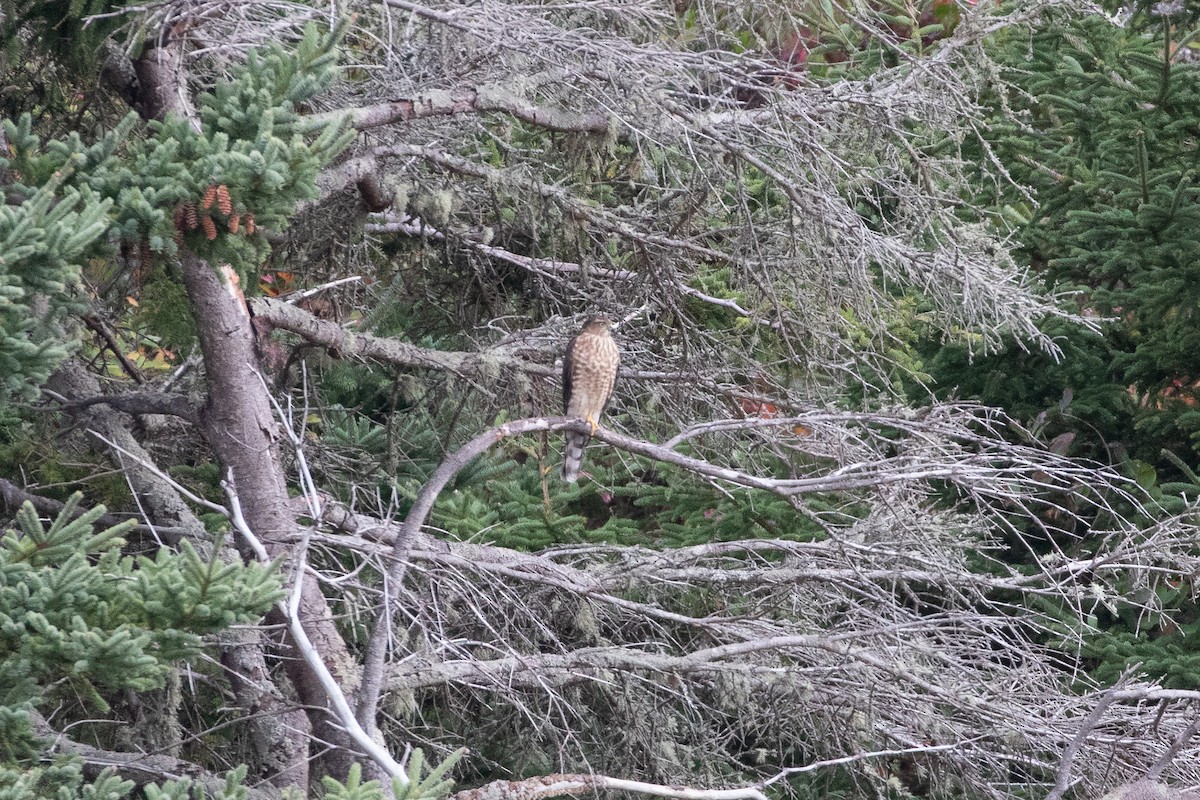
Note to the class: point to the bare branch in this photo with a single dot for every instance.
(411, 226)
(850, 759)
(102, 330)
(389, 351)
(981, 474)
(1169, 755)
(483, 364)
(573, 206)
(470, 100)
(176, 405)
(307, 651)
(575, 785)
(140, 768)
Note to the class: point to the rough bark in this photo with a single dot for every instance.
(278, 730)
(238, 424)
(145, 403)
(162, 90)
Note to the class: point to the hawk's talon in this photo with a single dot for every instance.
(595, 425)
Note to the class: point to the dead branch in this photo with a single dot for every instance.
(102, 330)
(13, 496)
(996, 474)
(482, 99)
(574, 785)
(389, 351)
(482, 364)
(751, 563)
(140, 768)
(411, 226)
(600, 663)
(594, 215)
(175, 405)
(850, 759)
(1172, 752)
(290, 610)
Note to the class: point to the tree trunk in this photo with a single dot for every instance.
(239, 425)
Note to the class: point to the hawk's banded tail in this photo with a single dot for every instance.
(573, 455)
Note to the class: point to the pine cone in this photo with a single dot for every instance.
(210, 228)
(249, 224)
(235, 222)
(178, 217)
(224, 203)
(189, 216)
(210, 194)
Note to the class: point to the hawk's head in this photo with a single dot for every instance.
(596, 324)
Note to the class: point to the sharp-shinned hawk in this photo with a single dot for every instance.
(589, 372)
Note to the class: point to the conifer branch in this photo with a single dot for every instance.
(238, 422)
(13, 496)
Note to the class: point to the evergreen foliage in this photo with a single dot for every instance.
(213, 191)
(1103, 126)
(65, 781)
(62, 27)
(43, 243)
(78, 619)
(251, 141)
(623, 502)
(421, 782)
(1100, 122)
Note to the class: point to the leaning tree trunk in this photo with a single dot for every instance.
(240, 426)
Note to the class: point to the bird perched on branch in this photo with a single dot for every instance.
(589, 372)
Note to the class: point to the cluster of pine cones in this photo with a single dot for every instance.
(216, 201)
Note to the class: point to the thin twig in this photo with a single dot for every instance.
(850, 759)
